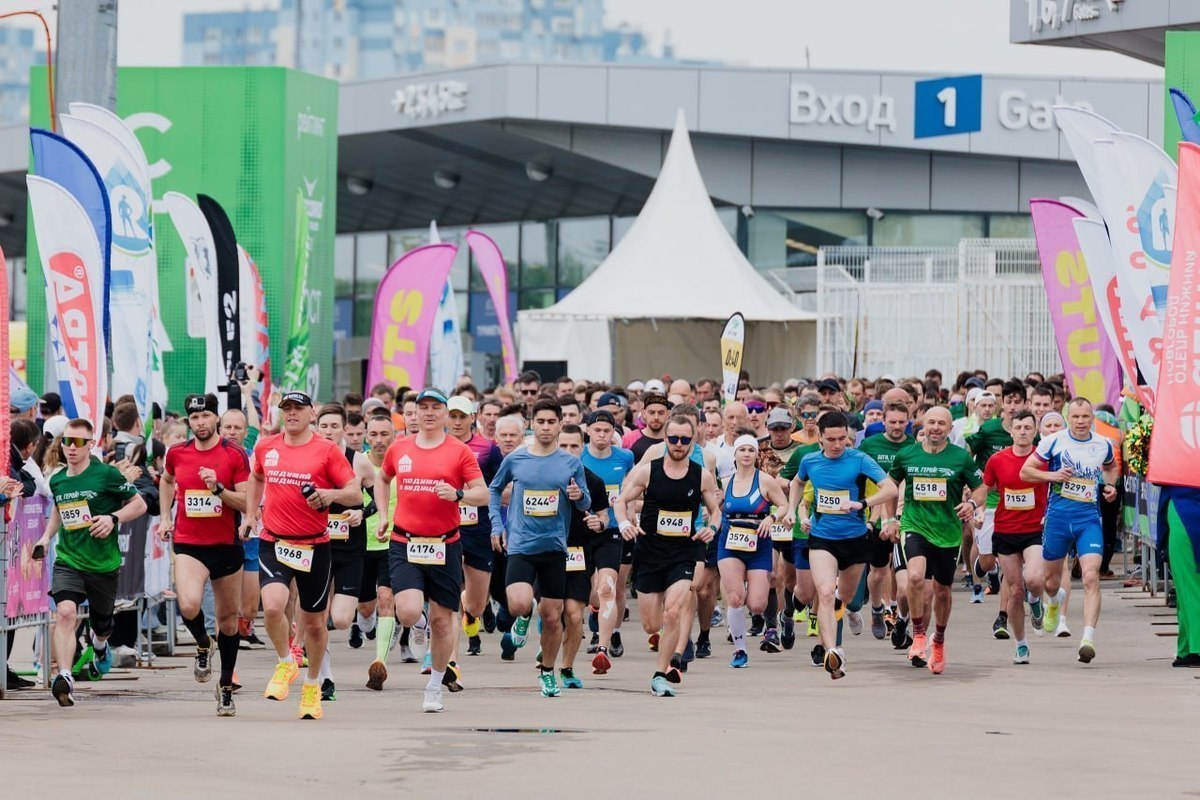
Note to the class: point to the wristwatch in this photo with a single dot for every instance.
(459, 494)
(220, 487)
(116, 522)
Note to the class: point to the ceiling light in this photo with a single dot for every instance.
(445, 180)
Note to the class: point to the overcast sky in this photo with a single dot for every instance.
(920, 35)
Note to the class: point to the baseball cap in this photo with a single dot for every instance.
(432, 394)
(828, 385)
(792, 383)
(657, 398)
(22, 399)
(203, 402)
(986, 396)
(51, 403)
(54, 427)
(973, 395)
(655, 386)
(974, 380)
(371, 404)
(636, 386)
(873, 405)
(461, 404)
(610, 399)
(780, 418)
(295, 398)
(602, 416)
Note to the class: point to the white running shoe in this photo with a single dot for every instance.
(433, 701)
(855, 620)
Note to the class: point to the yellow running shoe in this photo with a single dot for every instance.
(1050, 617)
(285, 673)
(470, 628)
(812, 624)
(310, 701)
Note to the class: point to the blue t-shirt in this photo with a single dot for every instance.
(1075, 499)
(612, 470)
(539, 513)
(833, 479)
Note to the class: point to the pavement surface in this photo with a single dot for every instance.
(1123, 726)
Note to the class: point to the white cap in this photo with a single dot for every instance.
(54, 426)
(986, 396)
(462, 405)
(655, 386)
(745, 440)
(973, 395)
(635, 386)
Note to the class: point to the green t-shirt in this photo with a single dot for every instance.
(372, 522)
(100, 489)
(884, 450)
(789, 471)
(933, 487)
(990, 439)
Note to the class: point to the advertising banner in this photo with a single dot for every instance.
(733, 341)
(28, 578)
(405, 305)
(201, 264)
(229, 321)
(494, 271)
(296, 373)
(256, 332)
(1089, 363)
(445, 345)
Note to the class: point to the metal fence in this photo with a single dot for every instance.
(903, 310)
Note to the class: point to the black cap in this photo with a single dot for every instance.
(974, 380)
(828, 385)
(298, 398)
(655, 399)
(51, 402)
(200, 402)
(602, 416)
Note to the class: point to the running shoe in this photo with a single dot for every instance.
(376, 675)
(370, 634)
(489, 619)
(225, 706)
(237, 686)
(740, 660)
(835, 662)
(900, 634)
(703, 648)
(818, 655)
(889, 619)
(356, 636)
(1062, 631)
(328, 690)
(938, 661)
(1022, 656)
(787, 632)
(252, 642)
(569, 681)
(594, 645)
(689, 652)
(993, 579)
(601, 663)
(433, 701)
(508, 650)
(653, 642)
(1000, 628)
(800, 614)
(675, 671)
(1190, 660)
(976, 593)
(1037, 614)
(470, 625)
(716, 619)
(616, 649)
(916, 651)
(1087, 651)
(427, 663)
(878, 626)
(63, 690)
(243, 627)
(202, 667)
(757, 623)
(310, 701)
(452, 678)
(770, 641)
(549, 684)
(812, 625)
(406, 655)
(298, 656)
(839, 609)
(102, 660)
(474, 646)
(855, 621)
(420, 634)
(278, 687)
(520, 631)
(660, 688)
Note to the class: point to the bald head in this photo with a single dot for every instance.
(896, 395)
(937, 425)
(681, 388)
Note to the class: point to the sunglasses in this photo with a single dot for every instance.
(809, 414)
(755, 409)
(771, 405)
(679, 439)
(76, 441)
(529, 392)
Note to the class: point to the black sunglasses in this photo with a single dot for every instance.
(679, 439)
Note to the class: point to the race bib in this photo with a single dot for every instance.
(575, 560)
(744, 540)
(201, 503)
(432, 552)
(297, 556)
(467, 515)
(674, 523)
(1079, 490)
(338, 526)
(780, 532)
(75, 516)
(829, 502)
(540, 503)
(1018, 499)
(613, 490)
(929, 489)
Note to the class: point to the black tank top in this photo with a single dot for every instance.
(669, 506)
(358, 533)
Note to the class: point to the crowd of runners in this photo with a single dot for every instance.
(417, 520)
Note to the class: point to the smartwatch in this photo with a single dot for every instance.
(459, 494)
(220, 487)
(116, 522)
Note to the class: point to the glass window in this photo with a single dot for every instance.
(370, 262)
(1010, 226)
(582, 245)
(508, 239)
(535, 298)
(620, 227)
(343, 266)
(778, 238)
(537, 255)
(898, 229)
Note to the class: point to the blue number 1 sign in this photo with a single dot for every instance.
(946, 106)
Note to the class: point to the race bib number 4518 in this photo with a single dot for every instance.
(929, 489)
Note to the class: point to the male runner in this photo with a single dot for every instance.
(434, 472)
(295, 475)
(209, 474)
(655, 410)
(612, 464)
(241, 428)
(934, 474)
(91, 500)
(666, 559)
(1018, 527)
(1080, 466)
(544, 478)
(774, 453)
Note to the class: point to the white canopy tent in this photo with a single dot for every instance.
(659, 301)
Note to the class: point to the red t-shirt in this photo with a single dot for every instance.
(200, 516)
(286, 467)
(1022, 505)
(419, 511)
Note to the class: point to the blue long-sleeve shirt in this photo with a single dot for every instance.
(539, 512)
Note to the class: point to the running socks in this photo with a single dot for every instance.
(326, 671)
(772, 612)
(196, 628)
(435, 679)
(383, 638)
(227, 645)
(1057, 598)
(939, 634)
(737, 626)
(789, 604)
(367, 624)
(593, 619)
(99, 645)
(1089, 633)
(918, 625)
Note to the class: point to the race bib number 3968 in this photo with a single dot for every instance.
(297, 556)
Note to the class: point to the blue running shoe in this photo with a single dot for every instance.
(508, 650)
(689, 652)
(569, 681)
(102, 660)
(427, 664)
(740, 660)
(660, 688)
